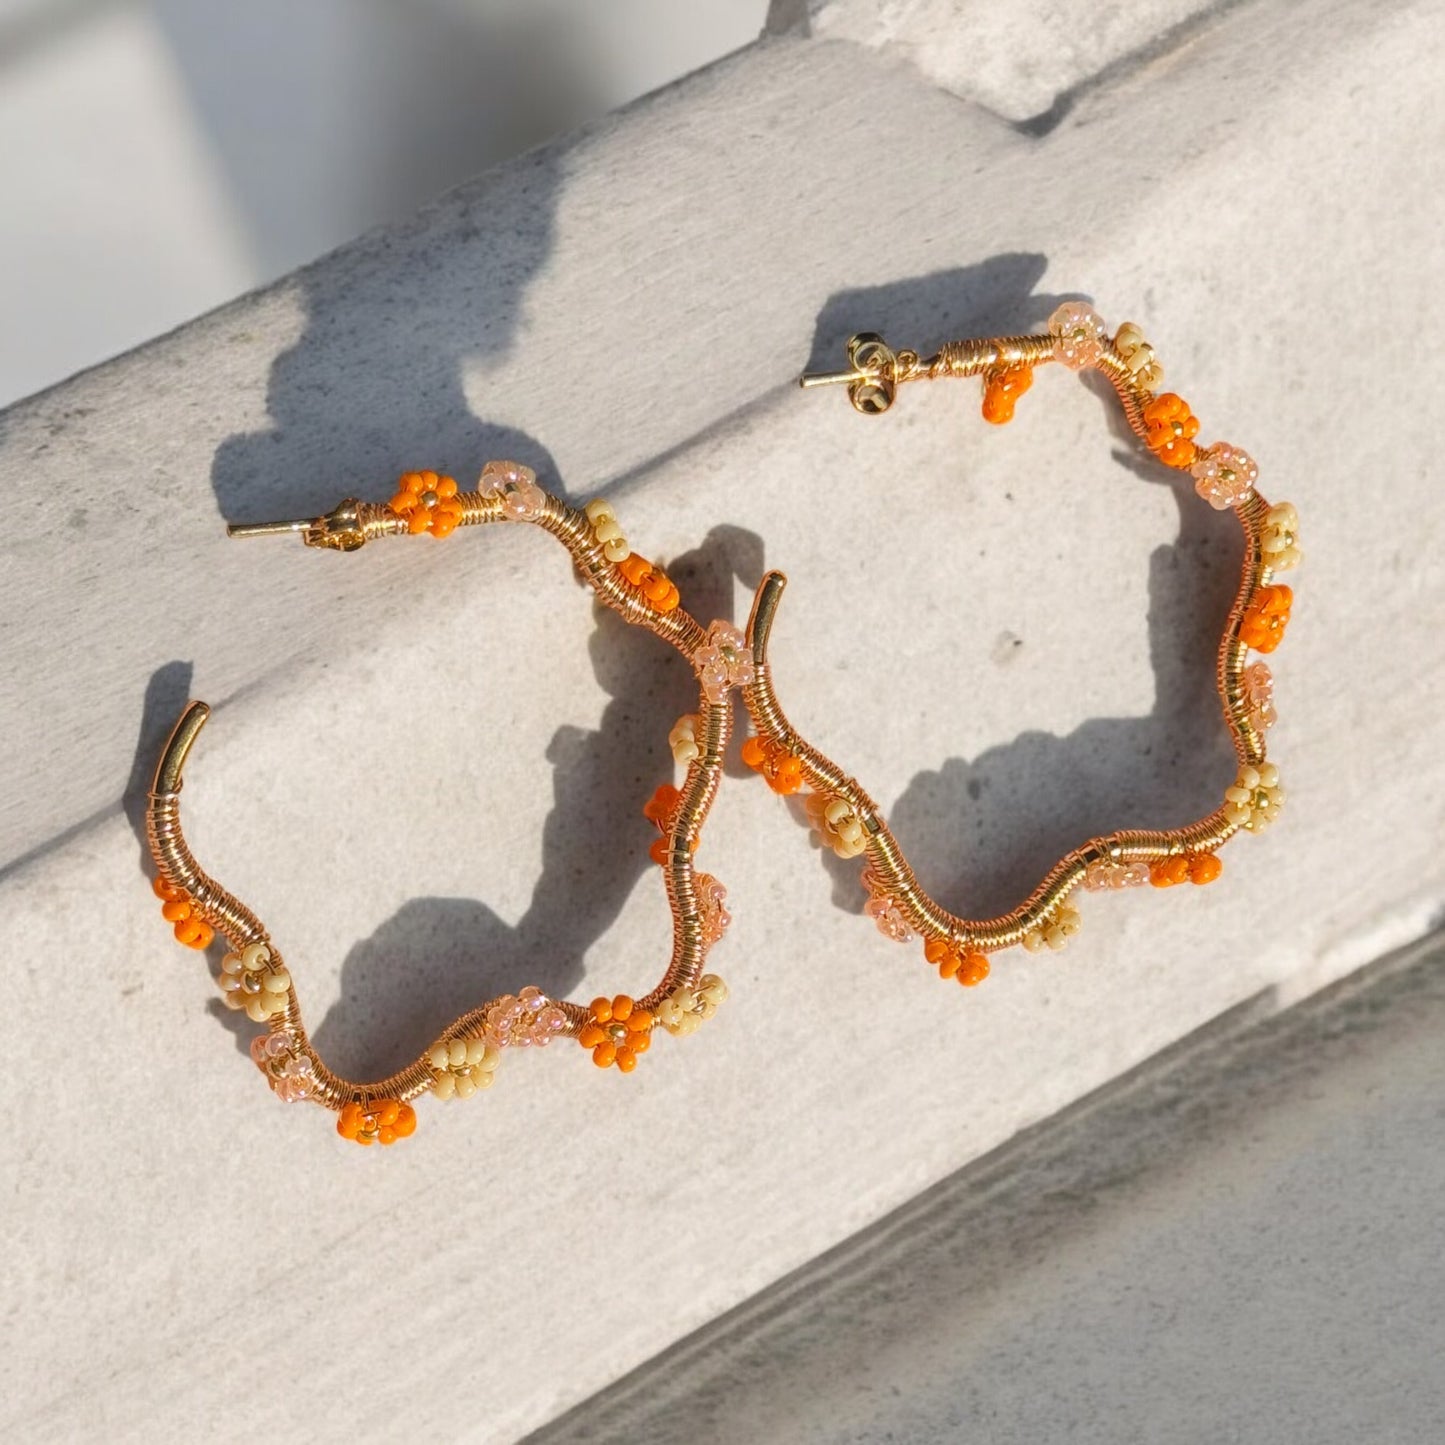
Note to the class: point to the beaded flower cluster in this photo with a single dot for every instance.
(465, 1059)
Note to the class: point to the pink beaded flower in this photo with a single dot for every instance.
(288, 1070)
(1257, 688)
(516, 485)
(1224, 476)
(520, 1020)
(1079, 334)
(1115, 873)
(711, 898)
(883, 909)
(723, 661)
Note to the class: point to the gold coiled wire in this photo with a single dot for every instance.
(235, 922)
(883, 852)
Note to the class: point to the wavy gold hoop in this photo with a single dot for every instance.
(463, 1059)
(846, 819)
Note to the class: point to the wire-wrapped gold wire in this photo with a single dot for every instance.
(241, 927)
(871, 387)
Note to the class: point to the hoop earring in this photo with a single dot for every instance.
(847, 820)
(464, 1058)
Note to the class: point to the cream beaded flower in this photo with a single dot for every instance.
(248, 981)
(1139, 357)
(836, 824)
(1279, 541)
(607, 530)
(683, 740)
(463, 1066)
(1255, 799)
(1054, 932)
(1079, 334)
(684, 1012)
(1224, 475)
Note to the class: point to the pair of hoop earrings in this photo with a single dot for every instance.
(618, 1029)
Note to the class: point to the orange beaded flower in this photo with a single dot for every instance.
(1268, 615)
(661, 808)
(1002, 388)
(428, 502)
(616, 1031)
(177, 908)
(969, 967)
(781, 768)
(655, 586)
(1171, 429)
(1185, 868)
(378, 1121)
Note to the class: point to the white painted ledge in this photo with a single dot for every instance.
(1239, 1240)
(393, 729)
(1024, 61)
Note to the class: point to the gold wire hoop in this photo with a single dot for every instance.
(254, 974)
(847, 818)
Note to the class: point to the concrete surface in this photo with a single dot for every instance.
(627, 310)
(1240, 1241)
(1026, 61)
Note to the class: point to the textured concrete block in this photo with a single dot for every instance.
(1007, 635)
(1027, 62)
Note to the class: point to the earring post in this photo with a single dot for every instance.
(267, 529)
(831, 378)
(341, 529)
